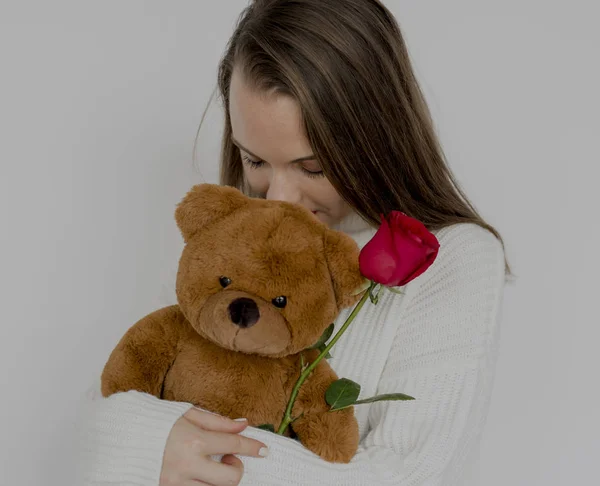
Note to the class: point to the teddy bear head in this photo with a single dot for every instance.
(261, 277)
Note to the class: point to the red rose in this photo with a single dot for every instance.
(401, 250)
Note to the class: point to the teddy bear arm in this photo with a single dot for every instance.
(143, 356)
(331, 435)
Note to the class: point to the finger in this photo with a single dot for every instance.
(218, 443)
(218, 474)
(214, 422)
(232, 460)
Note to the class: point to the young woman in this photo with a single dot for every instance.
(323, 110)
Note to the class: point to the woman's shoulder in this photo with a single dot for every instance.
(468, 252)
(464, 284)
(468, 240)
(469, 231)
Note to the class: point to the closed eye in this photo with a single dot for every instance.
(257, 164)
(254, 164)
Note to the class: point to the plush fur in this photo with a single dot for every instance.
(231, 349)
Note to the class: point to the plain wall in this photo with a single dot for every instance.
(99, 106)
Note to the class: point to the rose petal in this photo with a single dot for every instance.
(401, 250)
(410, 256)
(377, 259)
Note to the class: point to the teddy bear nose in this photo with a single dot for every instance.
(244, 312)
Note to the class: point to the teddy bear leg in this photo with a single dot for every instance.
(331, 435)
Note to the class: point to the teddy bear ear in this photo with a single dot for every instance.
(341, 253)
(205, 203)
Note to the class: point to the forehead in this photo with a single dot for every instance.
(268, 124)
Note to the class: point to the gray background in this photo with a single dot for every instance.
(99, 106)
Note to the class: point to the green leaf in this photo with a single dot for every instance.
(342, 393)
(394, 290)
(364, 286)
(322, 348)
(372, 297)
(324, 337)
(269, 427)
(375, 296)
(386, 396)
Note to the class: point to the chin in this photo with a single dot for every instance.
(322, 217)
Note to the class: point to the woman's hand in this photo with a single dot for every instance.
(194, 438)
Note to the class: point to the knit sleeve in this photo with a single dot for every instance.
(443, 355)
(121, 439)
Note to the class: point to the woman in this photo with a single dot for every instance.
(323, 110)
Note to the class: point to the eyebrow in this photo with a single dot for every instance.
(295, 161)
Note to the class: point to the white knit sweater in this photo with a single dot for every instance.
(436, 342)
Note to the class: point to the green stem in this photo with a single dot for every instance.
(287, 418)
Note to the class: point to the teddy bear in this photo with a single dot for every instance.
(258, 282)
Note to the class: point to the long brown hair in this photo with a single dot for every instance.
(346, 63)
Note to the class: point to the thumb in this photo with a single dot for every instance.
(214, 422)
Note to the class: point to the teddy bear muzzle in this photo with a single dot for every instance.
(239, 321)
(243, 312)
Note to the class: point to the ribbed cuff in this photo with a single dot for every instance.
(123, 438)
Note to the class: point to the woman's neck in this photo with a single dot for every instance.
(356, 227)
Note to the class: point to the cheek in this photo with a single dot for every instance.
(257, 179)
(327, 195)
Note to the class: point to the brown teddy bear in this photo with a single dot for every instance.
(258, 283)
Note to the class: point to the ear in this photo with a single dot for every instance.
(204, 204)
(341, 253)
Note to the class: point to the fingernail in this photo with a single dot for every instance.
(263, 452)
(240, 420)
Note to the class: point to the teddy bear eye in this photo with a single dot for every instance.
(280, 301)
(224, 281)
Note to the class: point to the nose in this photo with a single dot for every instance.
(243, 312)
(282, 188)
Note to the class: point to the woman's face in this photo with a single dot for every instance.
(277, 158)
